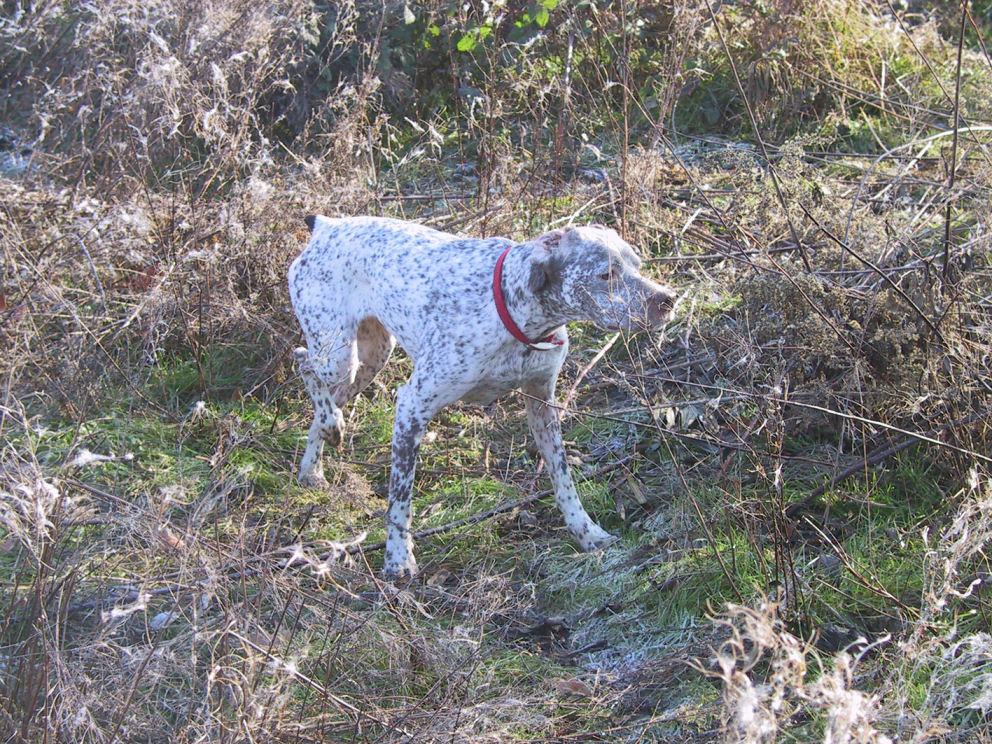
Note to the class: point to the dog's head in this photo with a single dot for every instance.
(591, 273)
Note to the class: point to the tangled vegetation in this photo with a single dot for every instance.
(799, 468)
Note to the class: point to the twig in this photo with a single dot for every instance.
(874, 458)
(703, 522)
(585, 370)
(926, 143)
(848, 416)
(425, 197)
(878, 270)
(761, 141)
(481, 516)
(978, 33)
(954, 148)
(338, 701)
(915, 435)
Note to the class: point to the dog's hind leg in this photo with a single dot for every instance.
(325, 371)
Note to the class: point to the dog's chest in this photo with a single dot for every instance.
(510, 371)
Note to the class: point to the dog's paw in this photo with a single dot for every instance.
(313, 480)
(395, 568)
(595, 538)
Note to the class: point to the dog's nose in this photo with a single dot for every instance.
(660, 306)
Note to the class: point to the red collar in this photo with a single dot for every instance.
(547, 344)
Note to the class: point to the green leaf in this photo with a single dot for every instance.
(467, 43)
(542, 17)
(549, 4)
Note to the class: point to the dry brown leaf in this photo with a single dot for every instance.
(163, 535)
(572, 686)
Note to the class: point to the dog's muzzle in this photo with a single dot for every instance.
(659, 308)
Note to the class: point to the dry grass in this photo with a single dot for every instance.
(813, 428)
(767, 681)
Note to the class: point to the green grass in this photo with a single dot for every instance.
(201, 397)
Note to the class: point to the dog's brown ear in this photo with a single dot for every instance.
(551, 238)
(543, 267)
(540, 268)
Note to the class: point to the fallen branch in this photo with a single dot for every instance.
(879, 454)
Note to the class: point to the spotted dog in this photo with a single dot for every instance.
(478, 317)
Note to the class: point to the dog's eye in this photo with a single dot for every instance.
(609, 275)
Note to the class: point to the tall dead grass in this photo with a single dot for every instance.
(123, 94)
(154, 217)
(173, 148)
(932, 684)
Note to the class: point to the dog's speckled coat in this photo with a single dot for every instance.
(364, 283)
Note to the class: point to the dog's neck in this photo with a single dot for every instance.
(533, 313)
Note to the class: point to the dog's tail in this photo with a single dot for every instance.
(311, 220)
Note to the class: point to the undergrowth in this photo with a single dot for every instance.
(797, 468)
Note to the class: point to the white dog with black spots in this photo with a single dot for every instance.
(478, 317)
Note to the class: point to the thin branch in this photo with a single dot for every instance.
(761, 141)
(829, 411)
(954, 146)
(879, 454)
(481, 516)
(878, 270)
(585, 370)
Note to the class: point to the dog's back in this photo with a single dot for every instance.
(411, 277)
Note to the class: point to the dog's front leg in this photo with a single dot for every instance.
(417, 402)
(542, 417)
